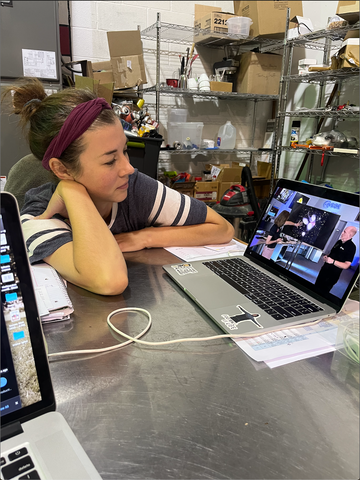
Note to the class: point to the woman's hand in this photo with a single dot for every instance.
(132, 241)
(57, 202)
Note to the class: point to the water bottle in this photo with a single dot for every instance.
(226, 136)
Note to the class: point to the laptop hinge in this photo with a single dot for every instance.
(11, 430)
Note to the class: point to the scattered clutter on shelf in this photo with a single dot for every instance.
(336, 22)
(135, 119)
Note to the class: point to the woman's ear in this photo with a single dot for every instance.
(59, 169)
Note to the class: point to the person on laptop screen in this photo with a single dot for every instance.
(339, 259)
(102, 206)
(274, 236)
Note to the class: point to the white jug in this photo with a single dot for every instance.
(227, 136)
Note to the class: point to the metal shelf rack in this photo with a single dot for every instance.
(325, 40)
(325, 76)
(329, 153)
(179, 34)
(171, 91)
(338, 114)
(205, 151)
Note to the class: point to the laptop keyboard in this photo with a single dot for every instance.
(18, 465)
(268, 294)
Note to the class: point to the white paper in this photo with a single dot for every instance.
(208, 252)
(51, 296)
(39, 63)
(292, 344)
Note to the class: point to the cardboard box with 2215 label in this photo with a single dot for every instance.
(269, 17)
(212, 19)
(127, 59)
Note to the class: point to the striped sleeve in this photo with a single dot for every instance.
(174, 209)
(44, 237)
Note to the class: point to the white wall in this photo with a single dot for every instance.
(90, 20)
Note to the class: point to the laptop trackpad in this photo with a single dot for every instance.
(212, 292)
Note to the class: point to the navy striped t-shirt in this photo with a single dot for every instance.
(148, 203)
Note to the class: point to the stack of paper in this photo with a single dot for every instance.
(52, 298)
(208, 252)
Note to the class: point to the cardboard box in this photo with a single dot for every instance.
(206, 191)
(227, 177)
(348, 11)
(261, 187)
(221, 86)
(212, 19)
(259, 73)
(186, 188)
(230, 174)
(127, 61)
(269, 17)
(348, 56)
(101, 71)
(103, 90)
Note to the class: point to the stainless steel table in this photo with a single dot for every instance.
(197, 410)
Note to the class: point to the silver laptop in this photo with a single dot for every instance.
(36, 441)
(270, 288)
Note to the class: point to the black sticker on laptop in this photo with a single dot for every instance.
(232, 321)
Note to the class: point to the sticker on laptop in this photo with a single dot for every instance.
(231, 321)
(184, 269)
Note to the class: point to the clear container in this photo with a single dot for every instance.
(347, 339)
(177, 114)
(227, 136)
(181, 131)
(239, 25)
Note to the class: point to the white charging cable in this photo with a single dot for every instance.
(168, 342)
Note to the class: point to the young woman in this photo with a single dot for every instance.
(274, 234)
(102, 207)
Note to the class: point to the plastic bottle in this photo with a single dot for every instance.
(227, 136)
(295, 132)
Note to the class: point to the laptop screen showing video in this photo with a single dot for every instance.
(311, 238)
(26, 387)
(19, 380)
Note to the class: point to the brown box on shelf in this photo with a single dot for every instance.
(230, 174)
(186, 188)
(212, 19)
(221, 86)
(206, 191)
(269, 17)
(259, 73)
(127, 61)
(103, 90)
(261, 187)
(348, 56)
(348, 11)
(227, 177)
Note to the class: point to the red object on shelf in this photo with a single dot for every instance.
(172, 82)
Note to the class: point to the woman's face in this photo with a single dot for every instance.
(105, 166)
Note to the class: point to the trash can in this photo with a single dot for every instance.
(144, 154)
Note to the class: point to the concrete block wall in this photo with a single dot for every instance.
(90, 20)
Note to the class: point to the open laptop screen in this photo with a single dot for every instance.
(25, 378)
(312, 240)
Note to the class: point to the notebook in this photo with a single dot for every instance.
(271, 288)
(36, 441)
